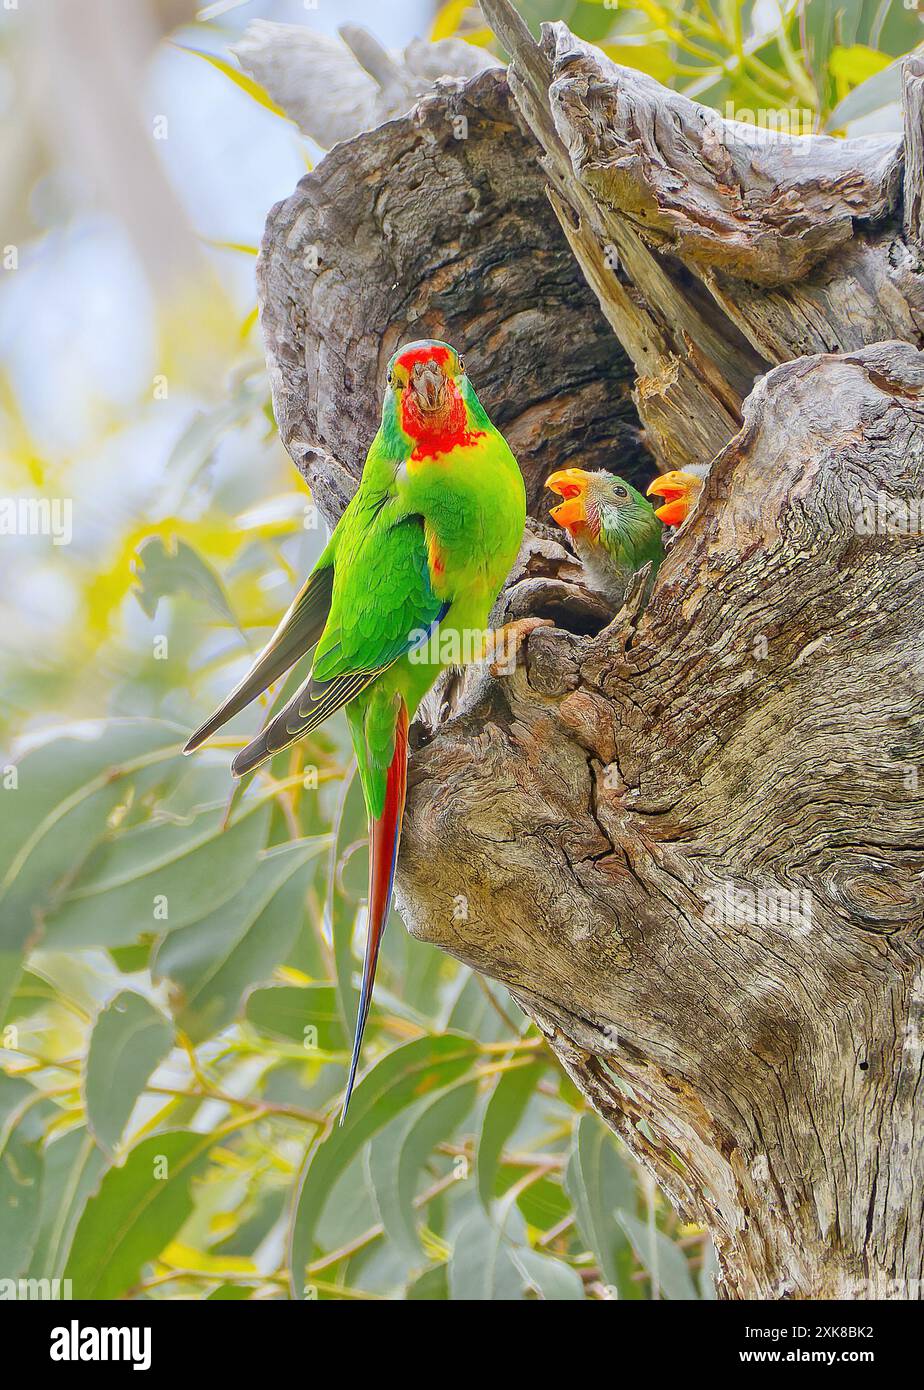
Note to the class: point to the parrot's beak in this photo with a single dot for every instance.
(429, 384)
(679, 491)
(570, 484)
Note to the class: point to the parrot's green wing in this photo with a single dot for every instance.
(383, 605)
(297, 633)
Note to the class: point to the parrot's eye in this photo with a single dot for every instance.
(390, 379)
(620, 492)
(461, 364)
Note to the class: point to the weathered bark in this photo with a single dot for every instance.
(612, 810)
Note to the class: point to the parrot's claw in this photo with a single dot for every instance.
(502, 649)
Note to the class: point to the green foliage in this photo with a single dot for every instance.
(137, 1209)
(164, 571)
(129, 1041)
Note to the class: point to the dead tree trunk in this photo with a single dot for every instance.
(690, 839)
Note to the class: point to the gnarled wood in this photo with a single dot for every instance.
(793, 250)
(333, 88)
(763, 205)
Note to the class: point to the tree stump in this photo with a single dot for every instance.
(689, 836)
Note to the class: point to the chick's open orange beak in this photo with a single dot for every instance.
(679, 491)
(570, 484)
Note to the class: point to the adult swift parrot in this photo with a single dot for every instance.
(420, 553)
(614, 530)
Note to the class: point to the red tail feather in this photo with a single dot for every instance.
(384, 838)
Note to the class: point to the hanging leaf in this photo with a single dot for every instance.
(158, 876)
(503, 1113)
(597, 1181)
(342, 900)
(552, 1279)
(56, 812)
(882, 89)
(710, 1272)
(74, 1164)
(129, 1041)
(481, 1268)
(397, 1158)
(164, 569)
(393, 1083)
(137, 1211)
(215, 961)
(666, 1266)
(289, 1011)
(21, 1174)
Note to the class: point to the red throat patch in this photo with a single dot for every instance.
(437, 432)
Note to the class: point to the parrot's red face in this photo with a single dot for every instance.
(425, 379)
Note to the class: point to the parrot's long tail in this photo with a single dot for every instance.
(384, 837)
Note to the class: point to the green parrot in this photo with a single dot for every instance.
(614, 528)
(404, 587)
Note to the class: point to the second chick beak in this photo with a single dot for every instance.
(570, 484)
(429, 383)
(675, 488)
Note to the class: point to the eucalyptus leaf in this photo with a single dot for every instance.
(503, 1113)
(55, 808)
(884, 88)
(432, 1286)
(305, 1014)
(710, 1273)
(74, 1165)
(398, 1156)
(215, 961)
(666, 1265)
(137, 1211)
(389, 1086)
(165, 569)
(597, 1181)
(129, 1041)
(481, 1267)
(21, 1174)
(552, 1279)
(158, 876)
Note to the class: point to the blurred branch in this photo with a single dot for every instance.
(333, 88)
(94, 56)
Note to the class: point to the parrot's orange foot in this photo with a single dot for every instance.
(503, 646)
